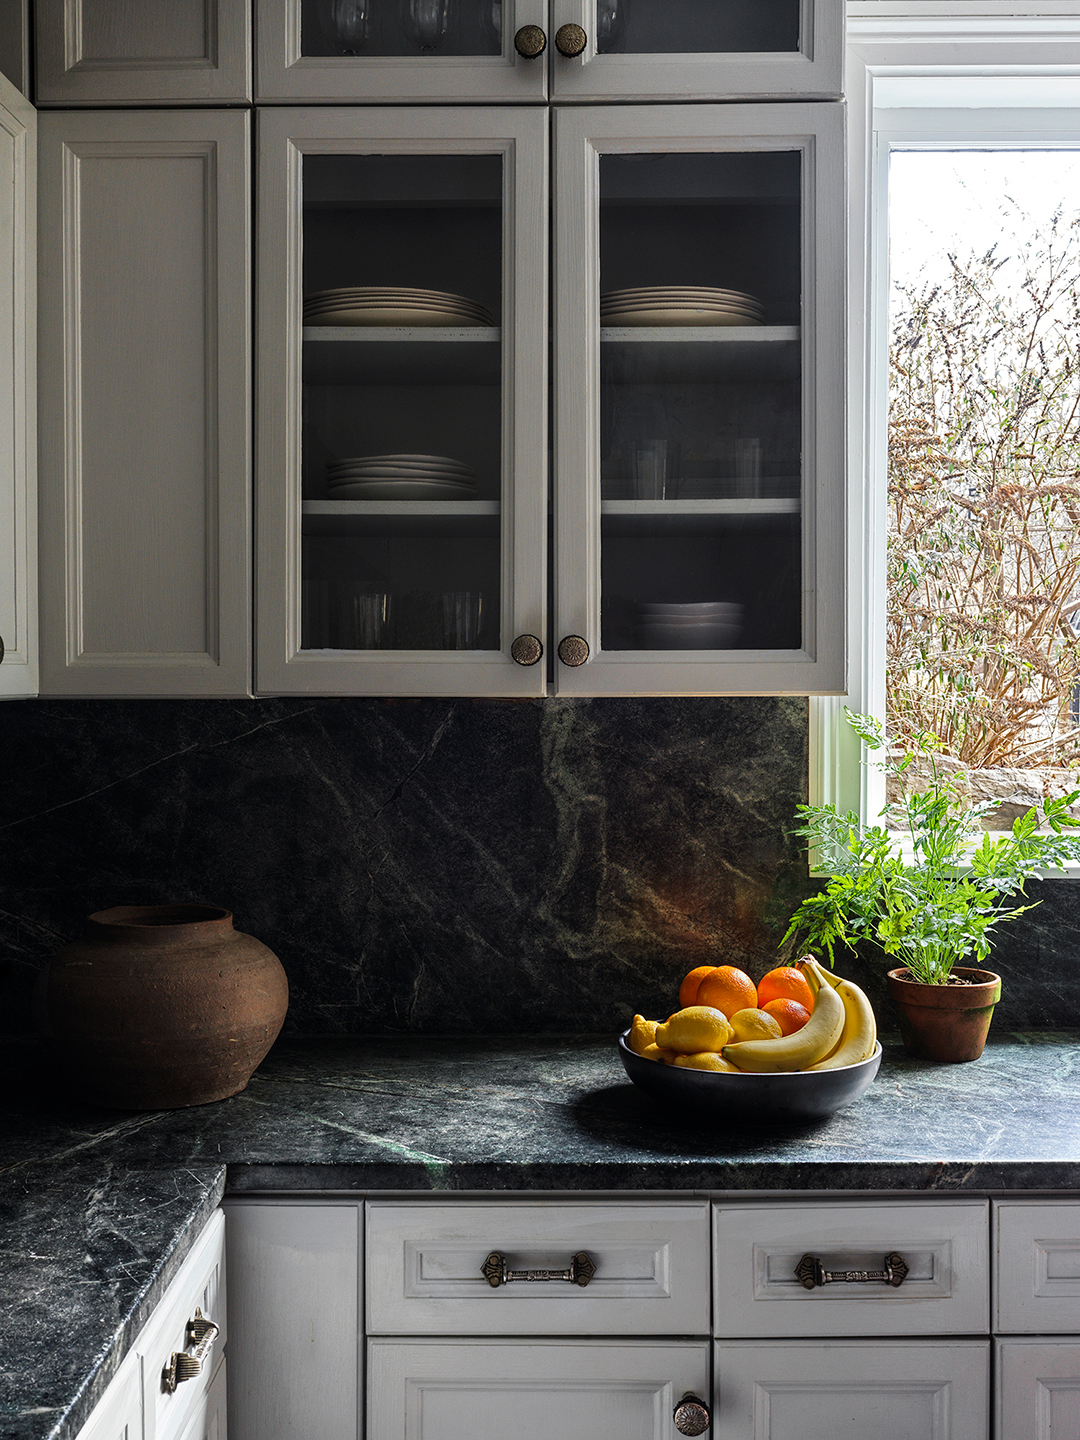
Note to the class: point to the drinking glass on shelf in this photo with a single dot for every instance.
(426, 21)
(362, 619)
(748, 455)
(349, 24)
(649, 468)
(610, 19)
(462, 616)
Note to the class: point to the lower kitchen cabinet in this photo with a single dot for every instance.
(478, 1317)
(447, 1389)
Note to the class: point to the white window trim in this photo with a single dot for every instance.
(1005, 71)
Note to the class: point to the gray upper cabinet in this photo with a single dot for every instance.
(142, 52)
(145, 402)
(527, 50)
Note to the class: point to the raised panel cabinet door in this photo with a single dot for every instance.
(686, 50)
(142, 52)
(399, 53)
(533, 1390)
(851, 1390)
(144, 383)
(18, 394)
(295, 1352)
(699, 412)
(1037, 1267)
(118, 1414)
(1037, 1388)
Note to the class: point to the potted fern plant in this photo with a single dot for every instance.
(929, 892)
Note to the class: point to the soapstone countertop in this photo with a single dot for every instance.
(98, 1208)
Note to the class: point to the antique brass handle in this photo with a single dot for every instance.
(812, 1272)
(530, 41)
(526, 650)
(580, 1271)
(201, 1331)
(570, 40)
(691, 1416)
(573, 650)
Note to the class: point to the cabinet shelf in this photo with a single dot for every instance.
(701, 353)
(393, 355)
(449, 518)
(625, 518)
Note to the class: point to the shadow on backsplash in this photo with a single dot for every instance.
(442, 866)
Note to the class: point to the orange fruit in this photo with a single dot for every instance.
(785, 983)
(754, 1024)
(789, 1014)
(728, 989)
(689, 987)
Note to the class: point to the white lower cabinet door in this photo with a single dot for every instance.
(1037, 1388)
(851, 1390)
(533, 1390)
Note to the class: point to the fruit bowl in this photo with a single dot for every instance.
(773, 1098)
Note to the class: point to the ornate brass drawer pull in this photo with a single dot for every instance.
(201, 1332)
(812, 1272)
(581, 1270)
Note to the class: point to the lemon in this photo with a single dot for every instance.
(653, 1052)
(705, 1060)
(755, 1025)
(642, 1033)
(697, 1028)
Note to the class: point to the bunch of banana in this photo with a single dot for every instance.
(841, 1030)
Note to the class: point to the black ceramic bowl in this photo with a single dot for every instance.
(773, 1099)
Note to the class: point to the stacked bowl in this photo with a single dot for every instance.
(680, 305)
(699, 625)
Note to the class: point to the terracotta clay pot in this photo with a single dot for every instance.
(948, 1023)
(157, 1007)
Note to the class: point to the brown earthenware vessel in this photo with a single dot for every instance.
(948, 1023)
(157, 1007)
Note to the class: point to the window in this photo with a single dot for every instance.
(909, 98)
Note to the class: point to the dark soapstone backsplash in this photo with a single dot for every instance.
(444, 866)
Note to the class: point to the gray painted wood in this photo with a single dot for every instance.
(142, 52)
(145, 456)
(15, 43)
(18, 393)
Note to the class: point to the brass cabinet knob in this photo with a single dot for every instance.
(691, 1416)
(526, 650)
(573, 650)
(530, 41)
(570, 40)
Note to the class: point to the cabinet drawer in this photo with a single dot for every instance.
(1037, 1267)
(758, 1247)
(200, 1282)
(425, 1275)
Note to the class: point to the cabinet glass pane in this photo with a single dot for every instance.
(402, 406)
(700, 426)
(401, 27)
(689, 27)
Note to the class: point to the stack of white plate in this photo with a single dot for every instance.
(680, 305)
(400, 477)
(701, 625)
(392, 305)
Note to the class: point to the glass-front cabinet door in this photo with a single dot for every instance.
(413, 51)
(402, 431)
(699, 416)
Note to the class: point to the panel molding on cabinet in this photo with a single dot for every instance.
(1036, 1389)
(145, 402)
(1037, 1267)
(295, 1281)
(425, 1275)
(840, 1389)
(18, 394)
(94, 52)
(757, 1248)
(468, 1390)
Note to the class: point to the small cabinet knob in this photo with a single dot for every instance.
(570, 40)
(530, 41)
(691, 1416)
(526, 650)
(573, 650)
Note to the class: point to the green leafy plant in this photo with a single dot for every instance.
(930, 897)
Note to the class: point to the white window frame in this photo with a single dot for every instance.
(932, 73)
